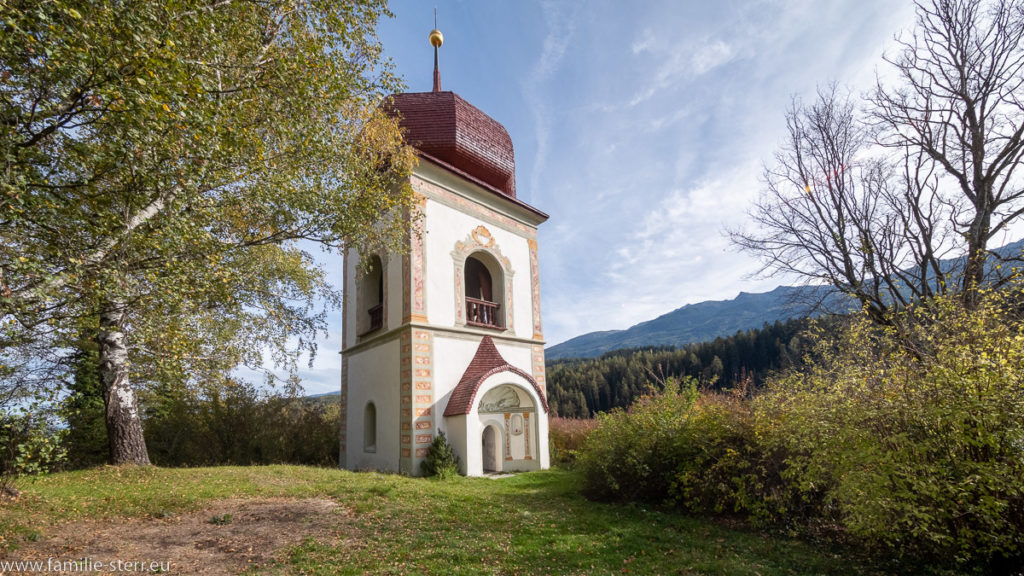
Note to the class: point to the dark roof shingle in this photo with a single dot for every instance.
(443, 125)
(486, 363)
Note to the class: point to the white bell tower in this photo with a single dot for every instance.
(448, 336)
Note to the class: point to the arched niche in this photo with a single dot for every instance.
(511, 410)
(370, 428)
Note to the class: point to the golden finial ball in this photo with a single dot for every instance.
(436, 38)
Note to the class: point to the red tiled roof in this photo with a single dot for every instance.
(446, 127)
(486, 363)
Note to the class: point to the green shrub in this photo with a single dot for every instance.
(239, 424)
(30, 443)
(719, 466)
(441, 460)
(678, 448)
(908, 438)
(631, 455)
(912, 436)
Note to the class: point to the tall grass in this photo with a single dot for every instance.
(567, 436)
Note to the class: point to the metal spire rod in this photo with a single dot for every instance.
(436, 39)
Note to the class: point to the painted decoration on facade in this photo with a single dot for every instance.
(460, 314)
(417, 397)
(499, 399)
(526, 431)
(509, 313)
(538, 333)
(517, 411)
(508, 437)
(413, 267)
(456, 201)
(482, 236)
(405, 404)
(537, 355)
(423, 393)
(406, 289)
(419, 306)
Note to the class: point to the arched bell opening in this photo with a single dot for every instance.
(371, 298)
(484, 284)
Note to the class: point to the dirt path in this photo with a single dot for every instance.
(226, 537)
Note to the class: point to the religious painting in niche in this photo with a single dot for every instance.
(516, 424)
(499, 400)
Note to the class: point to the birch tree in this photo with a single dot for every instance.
(161, 160)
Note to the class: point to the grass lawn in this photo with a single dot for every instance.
(533, 523)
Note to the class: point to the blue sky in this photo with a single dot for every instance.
(640, 127)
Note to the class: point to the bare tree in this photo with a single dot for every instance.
(833, 212)
(958, 104)
(900, 204)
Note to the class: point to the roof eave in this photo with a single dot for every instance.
(541, 216)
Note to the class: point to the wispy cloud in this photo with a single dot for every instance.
(711, 56)
(642, 130)
(668, 152)
(683, 63)
(560, 22)
(644, 42)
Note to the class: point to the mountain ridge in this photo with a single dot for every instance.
(705, 321)
(698, 322)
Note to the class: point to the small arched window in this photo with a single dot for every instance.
(371, 294)
(370, 428)
(484, 291)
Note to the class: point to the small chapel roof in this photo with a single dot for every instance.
(486, 362)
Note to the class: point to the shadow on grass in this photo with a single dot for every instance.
(532, 523)
(537, 523)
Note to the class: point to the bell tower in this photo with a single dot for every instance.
(447, 337)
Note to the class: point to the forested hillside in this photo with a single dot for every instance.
(705, 321)
(580, 388)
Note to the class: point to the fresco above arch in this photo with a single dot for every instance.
(500, 399)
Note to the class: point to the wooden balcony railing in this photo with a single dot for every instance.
(376, 319)
(482, 313)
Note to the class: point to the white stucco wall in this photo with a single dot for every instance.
(456, 435)
(373, 375)
(452, 356)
